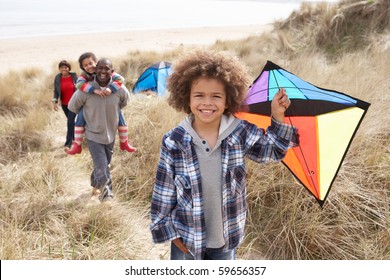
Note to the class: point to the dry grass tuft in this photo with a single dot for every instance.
(21, 136)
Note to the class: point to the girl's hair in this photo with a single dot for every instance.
(84, 56)
(64, 63)
(211, 65)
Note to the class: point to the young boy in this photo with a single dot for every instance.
(199, 197)
(87, 62)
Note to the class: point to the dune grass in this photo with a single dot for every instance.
(43, 211)
(347, 26)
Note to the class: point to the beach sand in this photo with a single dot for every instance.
(45, 52)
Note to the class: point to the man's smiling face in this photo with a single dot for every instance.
(104, 71)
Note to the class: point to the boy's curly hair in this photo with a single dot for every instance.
(212, 65)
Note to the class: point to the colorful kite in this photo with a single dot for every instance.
(327, 121)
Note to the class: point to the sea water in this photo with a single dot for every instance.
(31, 18)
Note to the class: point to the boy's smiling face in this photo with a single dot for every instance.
(207, 101)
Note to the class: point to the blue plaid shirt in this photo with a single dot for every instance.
(177, 204)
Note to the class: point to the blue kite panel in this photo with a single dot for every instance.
(310, 91)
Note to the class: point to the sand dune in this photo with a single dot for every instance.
(46, 52)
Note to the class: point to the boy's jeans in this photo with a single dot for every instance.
(210, 254)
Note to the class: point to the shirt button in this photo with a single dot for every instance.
(207, 150)
(204, 142)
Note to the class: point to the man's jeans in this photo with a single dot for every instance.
(101, 176)
(210, 254)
